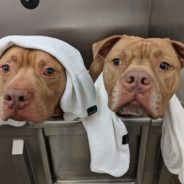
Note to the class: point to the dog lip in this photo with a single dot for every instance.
(12, 114)
(137, 102)
(8, 115)
(5, 118)
(20, 115)
(132, 108)
(131, 97)
(133, 102)
(16, 118)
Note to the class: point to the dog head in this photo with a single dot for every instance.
(31, 84)
(140, 75)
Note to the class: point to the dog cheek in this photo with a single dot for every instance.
(164, 87)
(45, 104)
(110, 76)
(114, 98)
(155, 103)
(41, 111)
(1, 96)
(2, 84)
(47, 98)
(170, 85)
(1, 106)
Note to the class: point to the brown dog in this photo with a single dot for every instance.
(140, 75)
(31, 84)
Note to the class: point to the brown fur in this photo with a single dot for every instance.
(27, 73)
(138, 85)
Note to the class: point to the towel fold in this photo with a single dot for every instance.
(13, 123)
(172, 141)
(79, 98)
(107, 136)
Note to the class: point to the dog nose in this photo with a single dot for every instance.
(137, 81)
(18, 98)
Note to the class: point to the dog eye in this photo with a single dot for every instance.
(116, 61)
(5, 68)
(165, 66)
(49, 71)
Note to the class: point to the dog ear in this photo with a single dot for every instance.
(179, 48)
(100, 51)
(104, 46)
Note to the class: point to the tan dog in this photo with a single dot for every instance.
(31, 84)
(140, 75)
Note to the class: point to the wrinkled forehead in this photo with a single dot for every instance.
(19, 53)
(144, 47)
(17, 50)
(13, 50)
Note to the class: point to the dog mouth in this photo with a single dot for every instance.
(132, 109)
(15, 115)
(26, 114)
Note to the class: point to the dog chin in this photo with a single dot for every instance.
(30, 120)
(22, 117)
(132, 109)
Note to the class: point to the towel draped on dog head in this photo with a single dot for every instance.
(79, 98)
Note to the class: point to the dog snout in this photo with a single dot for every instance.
(137, 81)
(16, 98)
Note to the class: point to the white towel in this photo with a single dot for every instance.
(172, 141)
(13, 123)
(107, 136)
(79, 98)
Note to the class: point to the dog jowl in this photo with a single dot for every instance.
(31, 85)
(140, 75)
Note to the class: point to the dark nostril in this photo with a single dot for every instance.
(144, 81)
(21, 99)
(8, 98)
(131, 79)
